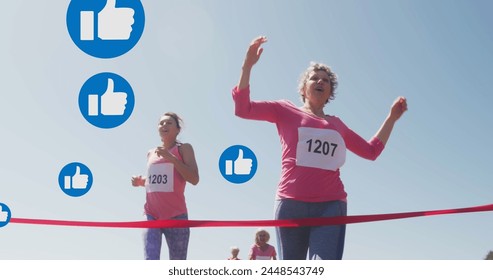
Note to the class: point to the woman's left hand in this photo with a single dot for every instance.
(398, 108)
(164, 153)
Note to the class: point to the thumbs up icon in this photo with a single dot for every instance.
(112, 103)
(113, 23)
(5, 215)
(238, 164)
(77, 181)
(105, 28)
(241, 166)
(106, 100)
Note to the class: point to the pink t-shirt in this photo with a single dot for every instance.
(165, 187)
(258, 254)
(313, 148)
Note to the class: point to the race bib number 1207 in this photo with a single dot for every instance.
(320, 148)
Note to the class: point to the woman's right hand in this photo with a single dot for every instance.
(254, 52)
(138, 181)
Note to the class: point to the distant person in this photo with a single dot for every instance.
(314, 148)
(169, 167)
(234, 254)
(261, 249)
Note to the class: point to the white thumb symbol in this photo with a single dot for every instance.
(110, 86)
(4, 215)
(240, 155)
(113, 103)
(115, 23)
(109, 4)
(242, 165)
(79, 181)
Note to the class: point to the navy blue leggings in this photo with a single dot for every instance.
(320, 242)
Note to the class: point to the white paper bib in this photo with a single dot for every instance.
(160, 178)
(320, 148)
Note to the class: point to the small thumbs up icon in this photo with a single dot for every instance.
(241, 166)
(5, 215)
(238, 164)
(77, 181)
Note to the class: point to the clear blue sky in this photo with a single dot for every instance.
(436, 53)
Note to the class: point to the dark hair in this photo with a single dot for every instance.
(177, 119)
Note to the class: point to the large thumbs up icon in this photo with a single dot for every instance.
(241, 166)
(115, 23)
(105, 28)
(77, 181)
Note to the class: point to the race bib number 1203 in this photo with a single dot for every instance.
(160, 178)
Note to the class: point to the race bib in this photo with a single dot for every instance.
(262, 258)
(160, 178)
(320, 148)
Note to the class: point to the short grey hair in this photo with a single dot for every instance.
(315, 66)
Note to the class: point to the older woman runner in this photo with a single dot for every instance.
(261, 249)
(314, 147)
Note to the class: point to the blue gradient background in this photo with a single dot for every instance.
(436, 53)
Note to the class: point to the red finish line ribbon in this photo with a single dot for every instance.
(255, 223)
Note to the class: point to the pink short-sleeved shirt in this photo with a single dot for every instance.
(313, 148)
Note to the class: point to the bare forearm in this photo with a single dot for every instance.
(190, 174)
(386, 129)
(244, 77)
(396, 111)
(188, 167)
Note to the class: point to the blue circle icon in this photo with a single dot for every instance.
(106, 100)
(5, 215)
(238, 164)
(105, 28)
(75, 179)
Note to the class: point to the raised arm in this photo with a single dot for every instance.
(244, 107)
(252, 56)
(396, 111)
